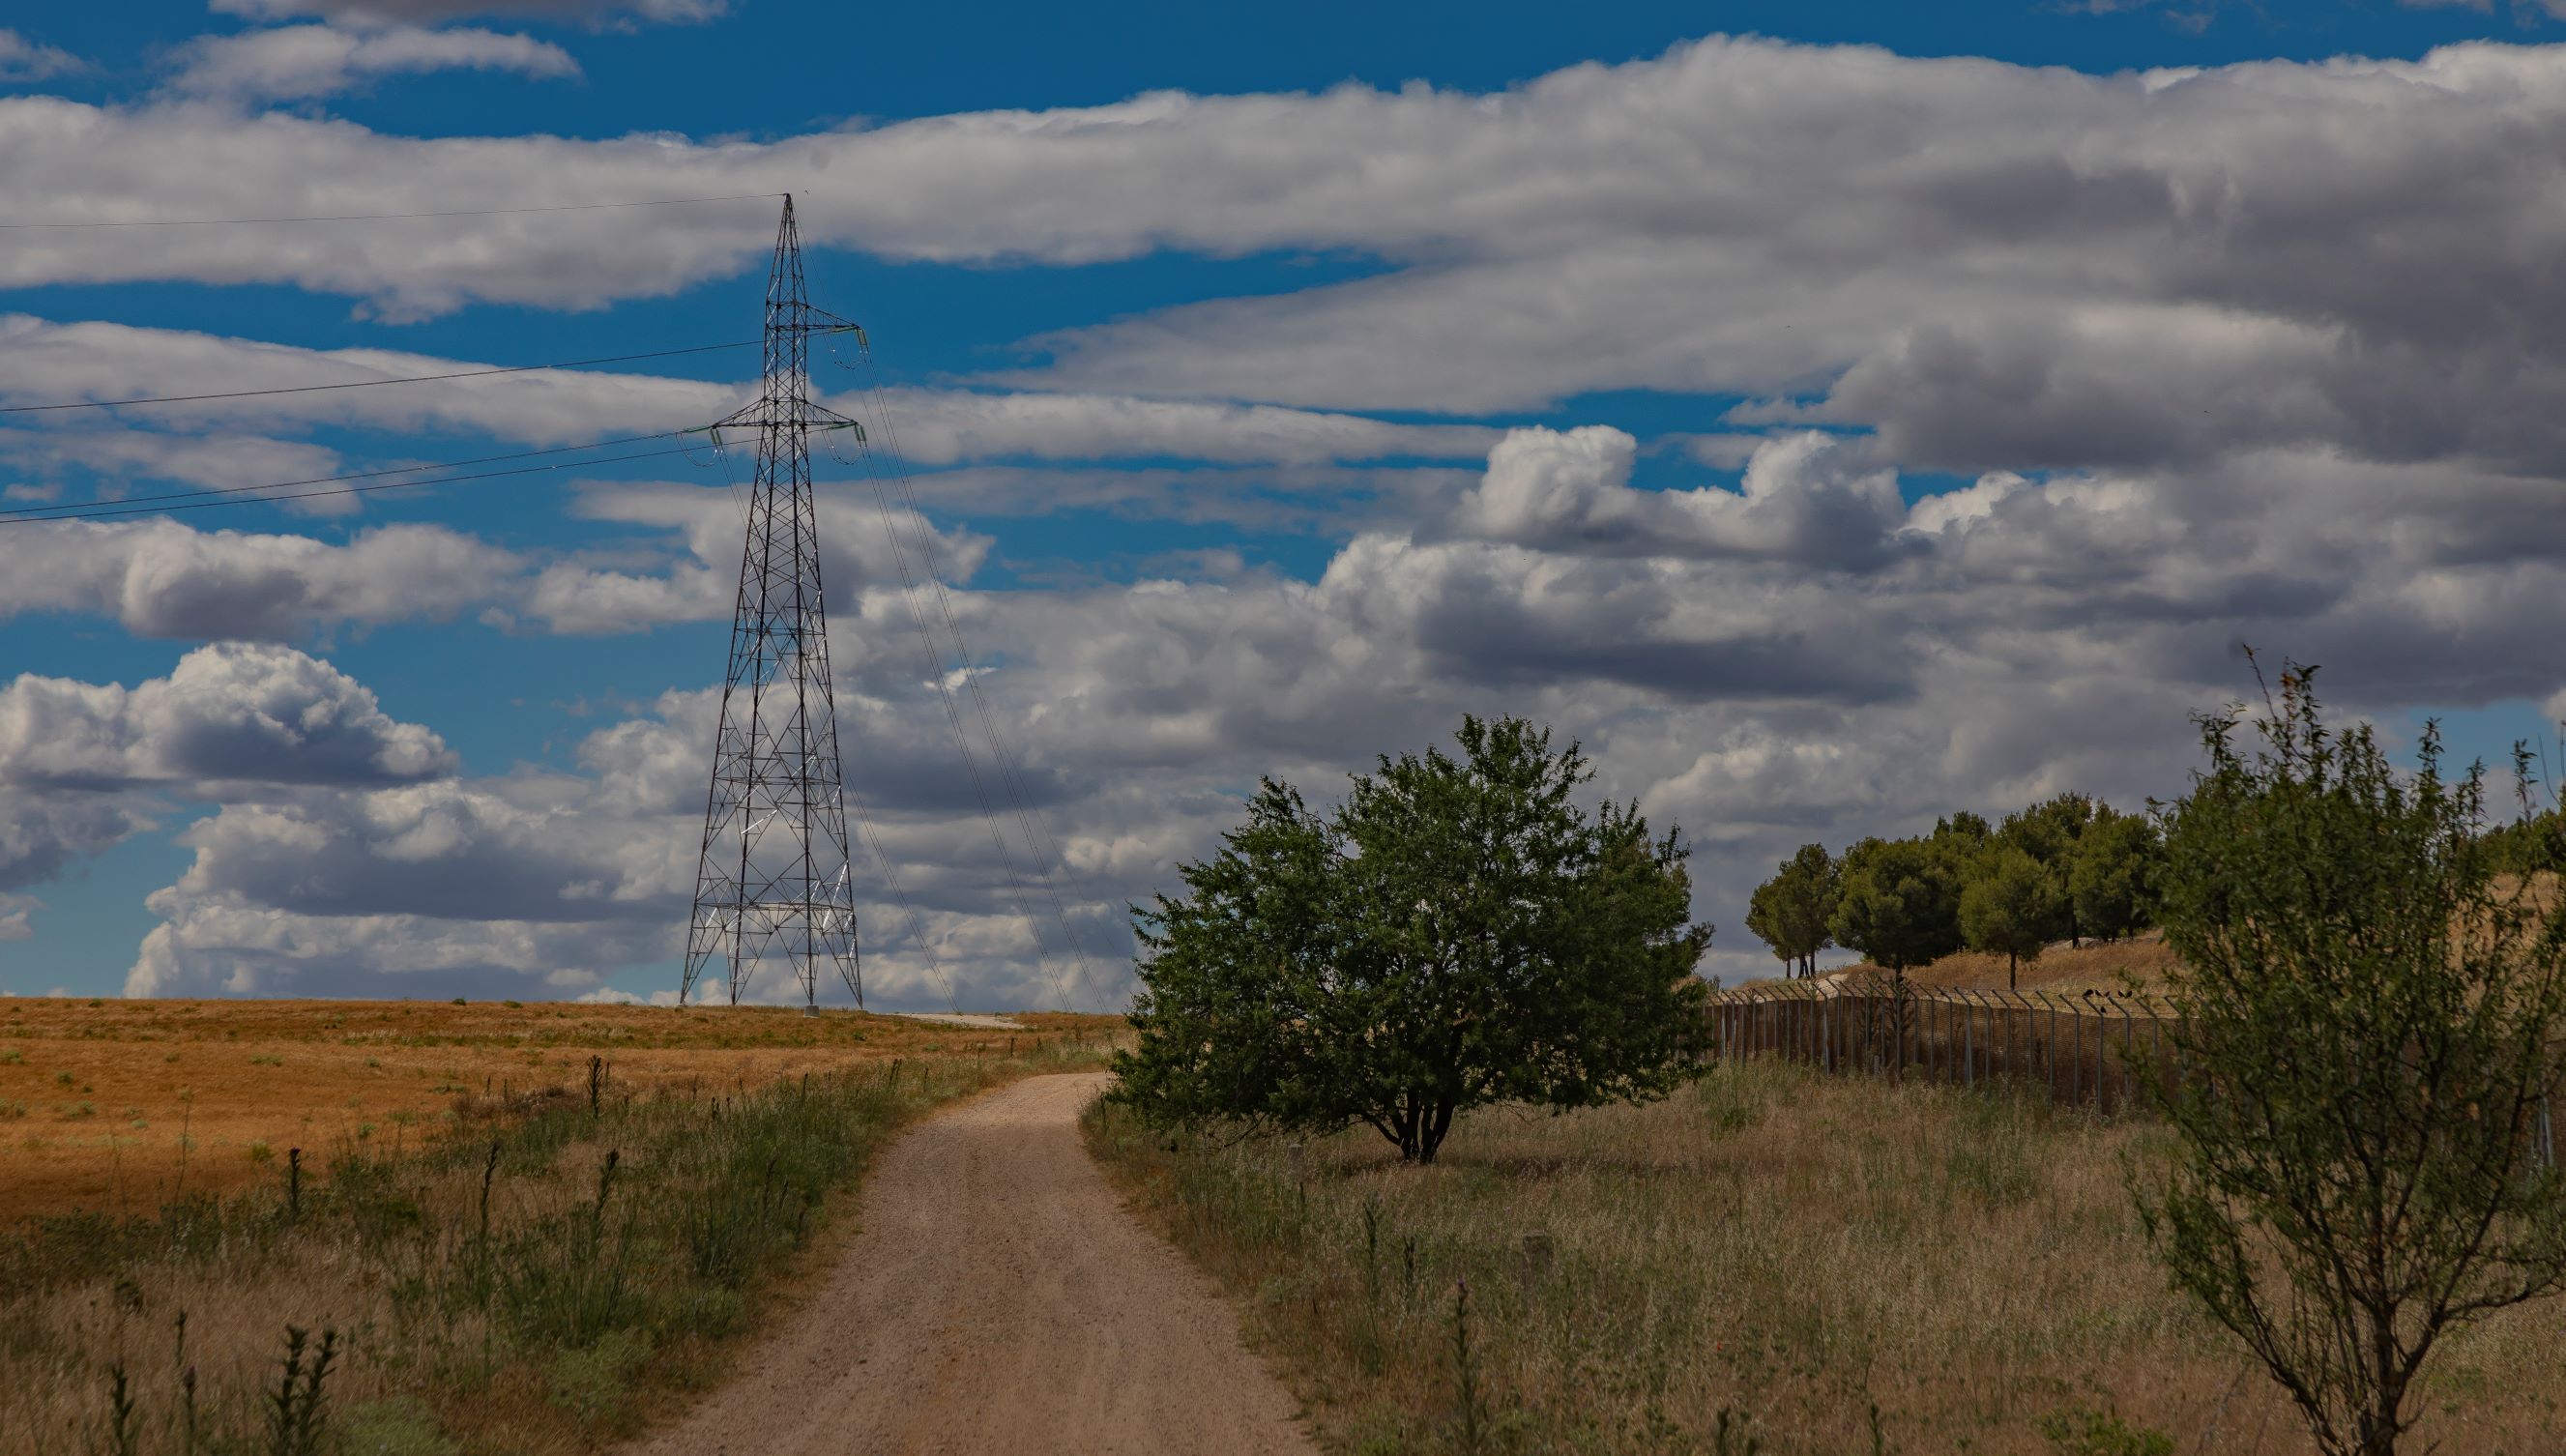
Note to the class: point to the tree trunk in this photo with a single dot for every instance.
(1430, 1137)
(2013, 971)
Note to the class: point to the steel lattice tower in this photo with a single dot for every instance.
(775, 878)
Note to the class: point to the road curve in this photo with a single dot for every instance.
(996, 1297)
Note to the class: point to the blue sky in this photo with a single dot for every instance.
(1832, 413)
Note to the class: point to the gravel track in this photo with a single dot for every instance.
(996, 1297)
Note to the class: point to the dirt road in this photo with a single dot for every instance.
(997, 1298)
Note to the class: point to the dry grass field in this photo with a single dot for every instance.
(498, 1259)
(118, 1106)
(2142, 960)
(1773, 1249)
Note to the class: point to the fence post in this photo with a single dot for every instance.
(2128, 1035)
(2075, 1057)
(2049, 1054)
(1969, 1047)
(2102, 1035)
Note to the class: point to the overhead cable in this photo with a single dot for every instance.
(70, 509)
(378, 216)
(573, 363)
(1040, 848)
(105, 508)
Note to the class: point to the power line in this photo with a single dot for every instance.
(891, 877)
(126, 510)
(573, 363)
(1043, 847)
(72, 509)
(378, 216)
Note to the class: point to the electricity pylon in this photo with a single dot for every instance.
(775, 878)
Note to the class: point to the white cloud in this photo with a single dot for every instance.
(298, 62)
(1736, 216)
(230, 712)
(46, 363)
(24, 60)
(2054, 635)
(160, 579)
(1809, 498)
(84, 765)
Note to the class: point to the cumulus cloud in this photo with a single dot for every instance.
(297, 61)
(84, 765)
(233, 711)
(1979, 648)
(1809, 498)
(2251, 353)
(543, 884)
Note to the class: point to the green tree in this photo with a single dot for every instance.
(1791, 909)
(2372, 1024)
(1459, 932)
(2013, 906)
(1899, 900)
(2049, 832)
(2107, 879)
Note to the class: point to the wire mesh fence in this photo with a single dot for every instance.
(2087, 1049)
(2094, 1049)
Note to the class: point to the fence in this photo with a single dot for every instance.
(2091, 1049)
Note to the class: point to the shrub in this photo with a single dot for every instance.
(2371, 1027)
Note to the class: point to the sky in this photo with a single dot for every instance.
(1833, 415)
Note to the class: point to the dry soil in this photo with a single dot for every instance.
(997, 1298)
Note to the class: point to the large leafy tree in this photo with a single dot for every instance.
(1459, 932)
(2049, 832)
(2371, 1023)
(2013, 906)
(1899, 900)
(1790, 910)
(2110, 875)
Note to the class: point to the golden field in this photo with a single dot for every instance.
(120, 1107)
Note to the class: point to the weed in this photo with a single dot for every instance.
(2077, 1431)
(296, 1407)
(121, 1437)
(400, 1426)
(591, 1384)
(1471, 1414)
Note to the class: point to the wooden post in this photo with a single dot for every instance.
(1536, 1264)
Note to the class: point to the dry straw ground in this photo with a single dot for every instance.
(97, 1096)
(1790, 1249)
